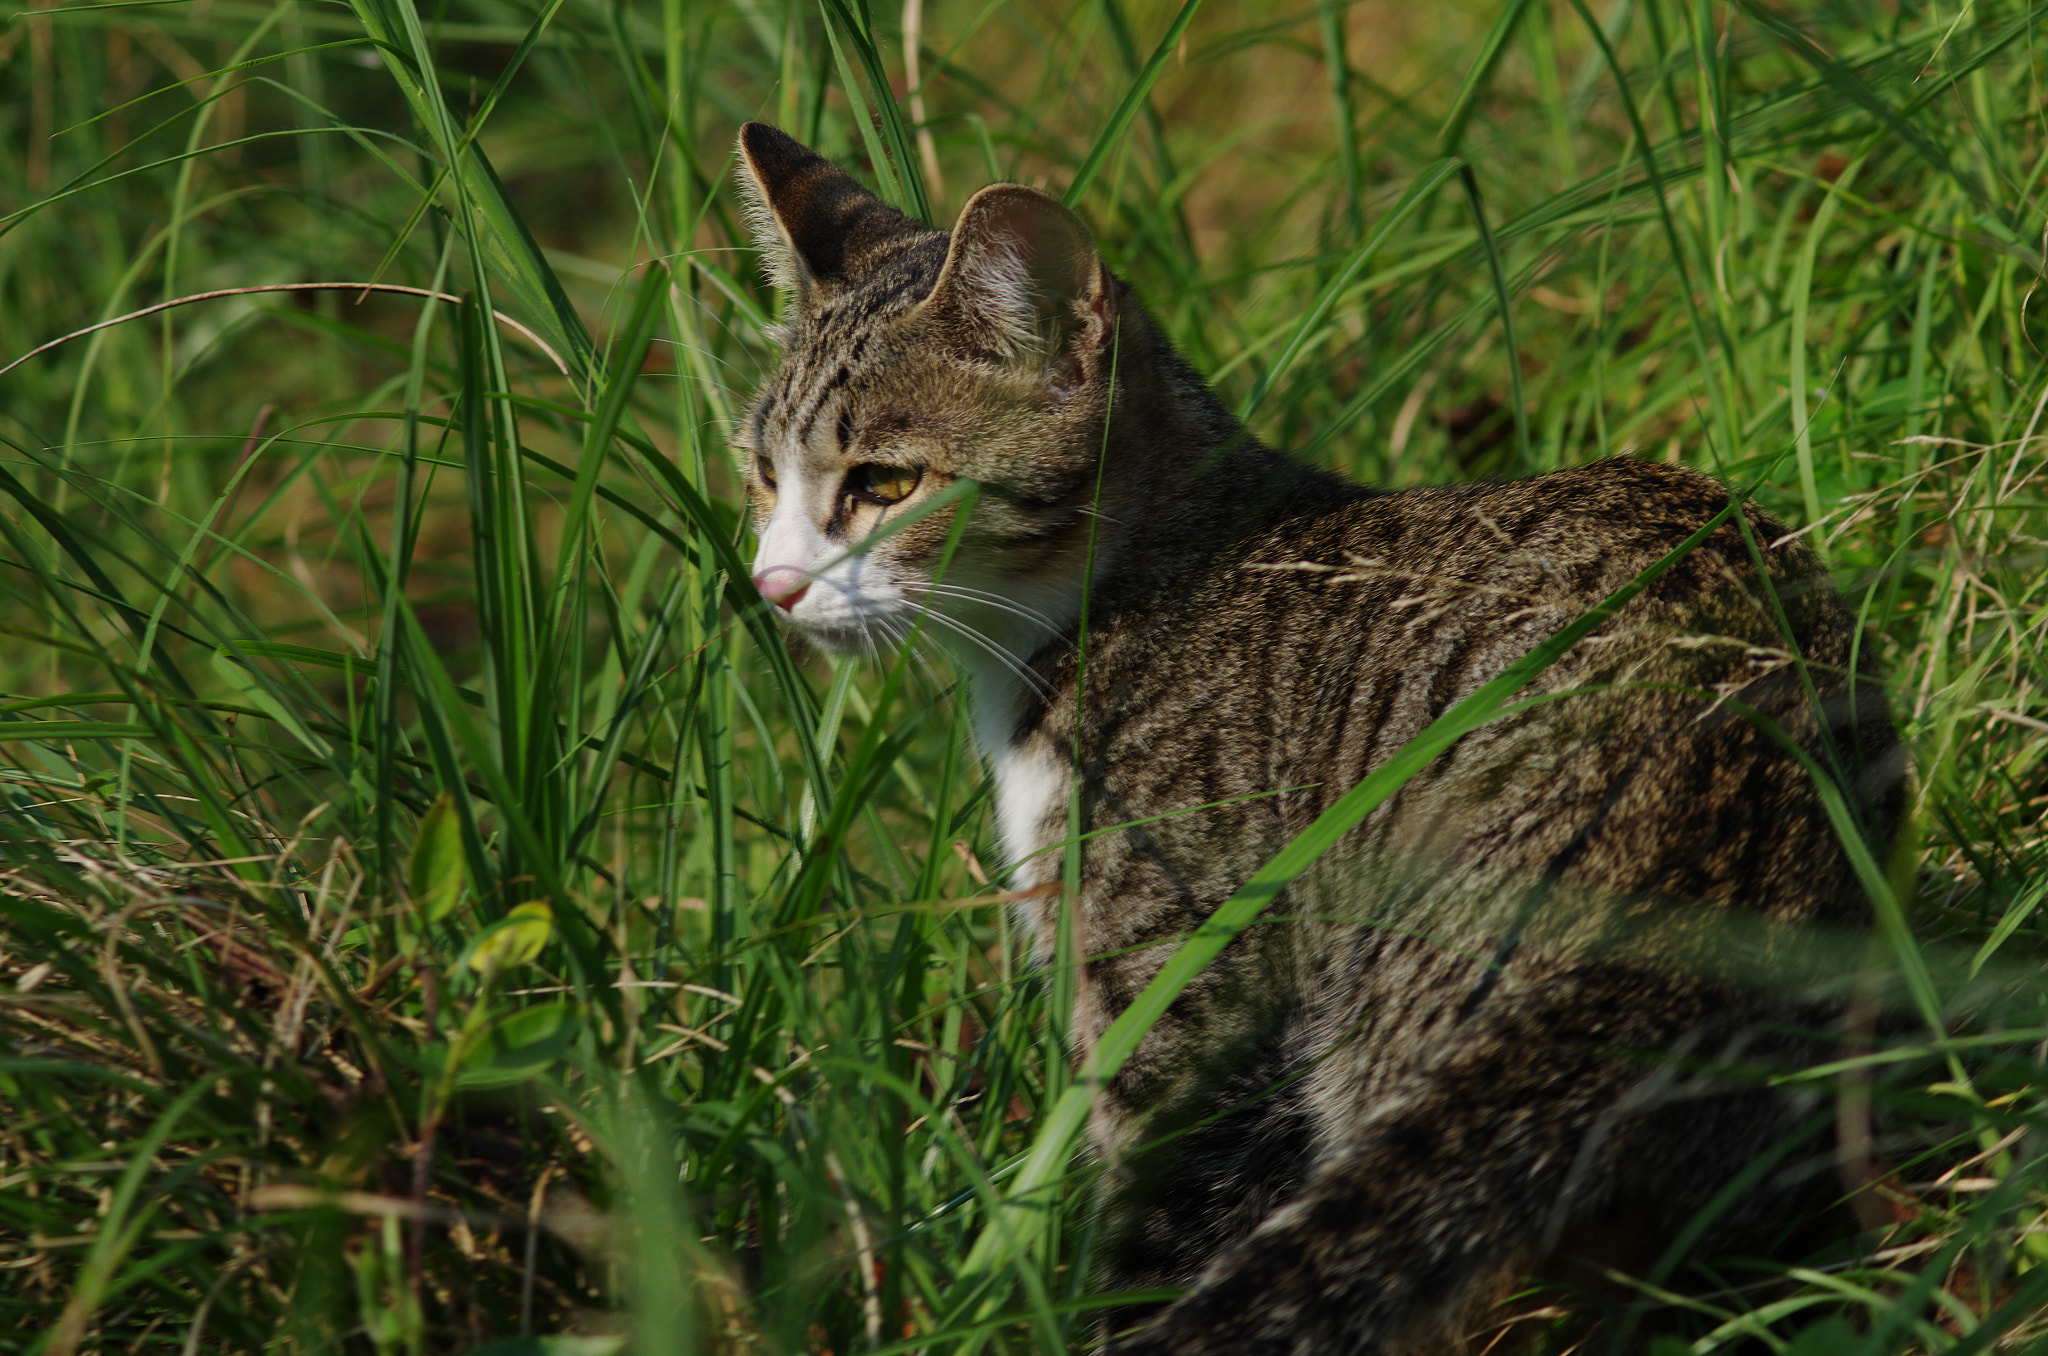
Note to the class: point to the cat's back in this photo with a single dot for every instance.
(1307, 652)
(1506, 561)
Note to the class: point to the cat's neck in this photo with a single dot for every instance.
(1195, 482)
(1182, 480)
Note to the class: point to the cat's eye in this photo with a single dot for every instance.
(765, 469)
(876, 484)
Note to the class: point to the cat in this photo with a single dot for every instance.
(1508, 1016)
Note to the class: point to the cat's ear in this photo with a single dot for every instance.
(1023, 277)
(814, 223)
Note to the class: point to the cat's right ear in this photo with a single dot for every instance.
(815, 225)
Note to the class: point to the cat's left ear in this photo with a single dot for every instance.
(1022, 278)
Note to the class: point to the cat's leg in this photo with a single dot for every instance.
(1536, 1123)
(1210, 1167)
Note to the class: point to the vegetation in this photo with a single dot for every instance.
(437, 906)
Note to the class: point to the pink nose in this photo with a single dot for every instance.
(783, 585)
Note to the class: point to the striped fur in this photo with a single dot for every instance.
(1527, 1003)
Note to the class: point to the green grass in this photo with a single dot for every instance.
(341, 627)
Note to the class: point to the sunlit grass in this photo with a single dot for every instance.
(439, 907)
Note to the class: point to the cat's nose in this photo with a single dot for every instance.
(783, 585)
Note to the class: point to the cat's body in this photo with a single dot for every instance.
(1497, 1018)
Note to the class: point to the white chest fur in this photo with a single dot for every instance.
(1031, 789)
(1033, 778)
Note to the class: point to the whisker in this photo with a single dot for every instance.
(1002, 655)
(982, 596)
(900, 631)
(948, 586)
(956, 585)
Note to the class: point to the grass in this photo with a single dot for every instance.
(439, 909)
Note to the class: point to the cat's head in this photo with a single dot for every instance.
(913, 359)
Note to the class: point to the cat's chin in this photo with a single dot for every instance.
(868, 638)
(854, 640)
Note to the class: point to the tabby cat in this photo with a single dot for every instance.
(1515, 1011)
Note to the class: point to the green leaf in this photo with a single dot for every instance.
(72, 729)
(1133, 100)
(514, 939)
(503, 240)
(519, 1046)
(252, 689)
(1452, 135)
(438, 870)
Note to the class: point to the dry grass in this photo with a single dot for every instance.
(284, 571)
